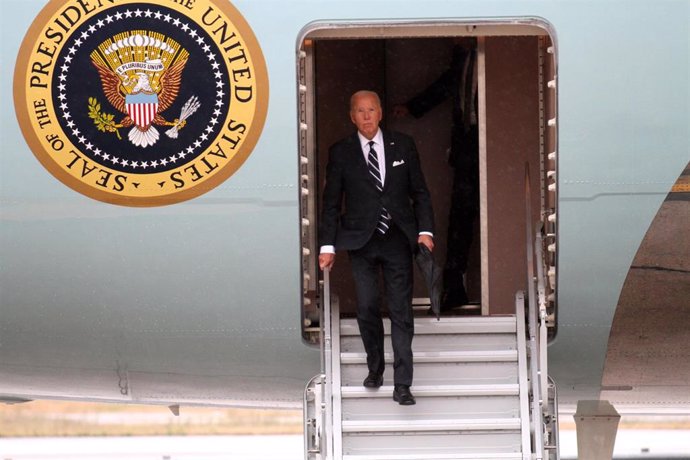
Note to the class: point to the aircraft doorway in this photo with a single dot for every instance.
(513, 108)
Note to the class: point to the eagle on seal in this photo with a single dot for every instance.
(143, 105)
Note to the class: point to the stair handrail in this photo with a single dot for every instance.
(523, 379)
(533, 319)
(541, 296)
(552, 449)
(327, 362)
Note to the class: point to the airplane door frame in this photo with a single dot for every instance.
(309, 189)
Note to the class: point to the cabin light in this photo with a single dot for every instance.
(551, 84)
(552, 217)
(552, 122)
(303, 88)
(552, 156)
(306, 252)
(305, 223)
(303, 126)
(305, 191)
(304, 160)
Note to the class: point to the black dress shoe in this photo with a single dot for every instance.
(403, 396)
(373, 380)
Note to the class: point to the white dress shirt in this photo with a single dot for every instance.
(378, 148)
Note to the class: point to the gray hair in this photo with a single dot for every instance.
(364, 92)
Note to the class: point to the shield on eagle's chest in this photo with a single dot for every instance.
(142, 108)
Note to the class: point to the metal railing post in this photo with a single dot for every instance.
(533, 319)
(328, 364)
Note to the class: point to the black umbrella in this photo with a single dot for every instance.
(432, 276)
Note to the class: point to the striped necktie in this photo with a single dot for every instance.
(374, 169)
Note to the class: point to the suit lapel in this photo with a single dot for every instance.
(391, 152)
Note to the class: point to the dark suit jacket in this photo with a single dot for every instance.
(352, 204)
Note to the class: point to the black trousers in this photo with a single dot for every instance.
(391, 254)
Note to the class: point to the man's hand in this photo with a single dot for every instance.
(427, 241)
(326, 261)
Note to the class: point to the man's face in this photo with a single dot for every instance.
(366, 115)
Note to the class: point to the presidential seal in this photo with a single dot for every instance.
(141, 102)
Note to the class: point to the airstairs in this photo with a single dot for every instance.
(481, 383)
(477, 386)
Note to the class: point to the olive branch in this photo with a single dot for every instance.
(103, 121)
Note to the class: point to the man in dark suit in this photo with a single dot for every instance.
(387, 211)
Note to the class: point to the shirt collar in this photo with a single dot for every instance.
(378, 139)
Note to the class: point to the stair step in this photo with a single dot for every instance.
(430, 456)
(441, 342)
(422, 391)
(432, 445)
(462, 325)
(381, 426)
(439, 356)
(425, 374)
(427, 408)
